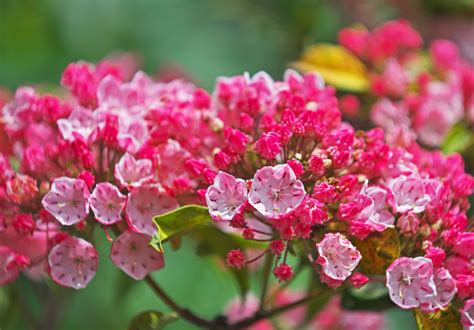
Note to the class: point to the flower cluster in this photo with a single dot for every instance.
(110, 155)
(313, 182)
(419, 96)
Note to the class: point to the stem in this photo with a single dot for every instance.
(277, 310)
(184, 313)
(266, 274)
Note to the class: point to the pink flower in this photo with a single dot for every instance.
(275, 191)
(107, 203)
(283, 272)
(131, 172)
(268, 145)
(316, 165)
(79, 124)
(73, 262)
(440, 108)
(23, 224)
(445, 291)
(408, 223)
(311, 212)
(9, 265)
(296, 166)
(467, 314)
(465, 244)
(409, 194)
(410, 282)
(226, 197)
(68, 200)
(143, 204)
(236, 140)
(374, 213)
(350, 105)
(389, 115)
(394, 79)
(236, 259)
(131, 253)
(436, 255)
(337, 256)
(445, 53)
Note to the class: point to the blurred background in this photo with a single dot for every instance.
(199, 40)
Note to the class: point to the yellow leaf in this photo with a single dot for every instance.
(378, 251)
(337, 66)
(441, 320)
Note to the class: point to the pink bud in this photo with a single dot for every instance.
(358, 280)
(248, 234)
(236, 259)
(222, 160)
(277, 246)
(283, 272)
(236, 140)
(268, 145)
(316, 165)
(23, 224)
(349, 105)
(296, 166)
(88, 178)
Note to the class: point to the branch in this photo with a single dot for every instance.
(277, 310)
(184, 313)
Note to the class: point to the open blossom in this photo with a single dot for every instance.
(80, 124)
(410, 282)
(143, 204)
(73, 262)
(131, 172)
(467, 314)
(445, 291)
(68, 200)
(226, 196)
(131, 253)
(276, 191)
(373, 204)
(107, 203)
(337, 256)
(409, 194)
(408, 223)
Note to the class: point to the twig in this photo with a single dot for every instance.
(277, 310)
(184, 313)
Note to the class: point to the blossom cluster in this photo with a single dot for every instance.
(418, 95)
(290, 165)
(272, 160)
(111, 155)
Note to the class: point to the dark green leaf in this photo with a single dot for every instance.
(151, 320)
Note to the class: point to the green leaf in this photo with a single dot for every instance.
(178, 222)
(458, 139)
(441, 320)
(151, 320)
